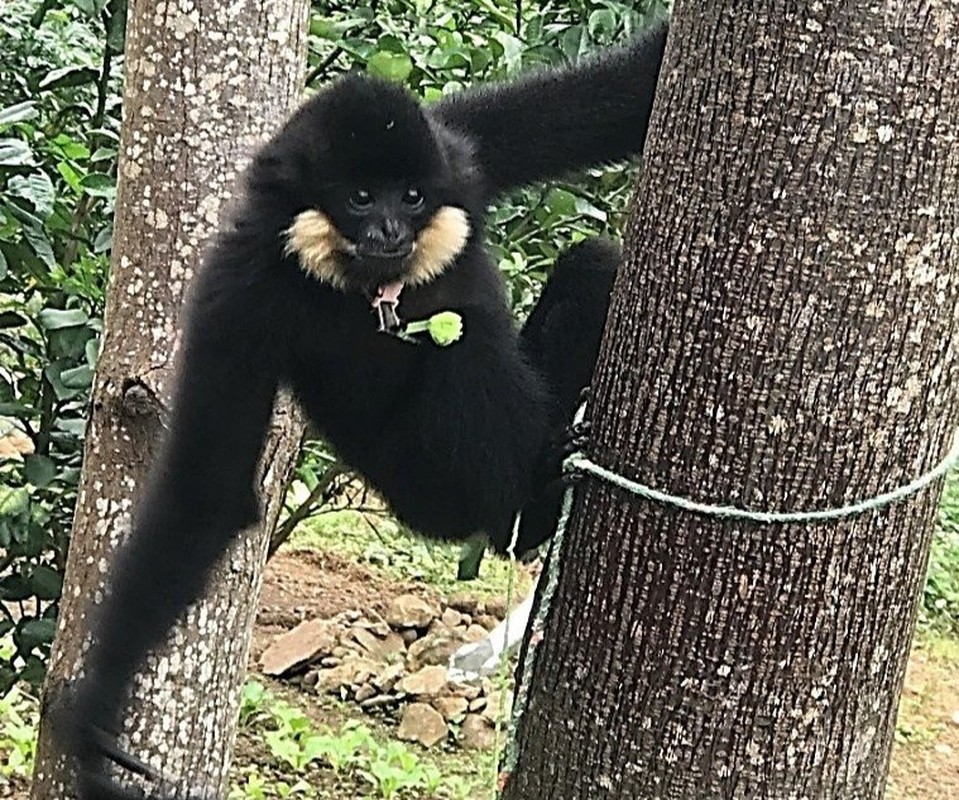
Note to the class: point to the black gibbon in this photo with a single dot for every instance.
(364, 212)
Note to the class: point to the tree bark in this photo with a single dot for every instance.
(784, 336)
(205, 81)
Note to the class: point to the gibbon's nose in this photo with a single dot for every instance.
(391, 238)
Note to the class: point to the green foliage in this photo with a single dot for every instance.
(59, 126)
(390, 771)
(940, 607)
(19, 715)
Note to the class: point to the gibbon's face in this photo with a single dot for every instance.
(381, 205)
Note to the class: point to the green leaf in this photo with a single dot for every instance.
(15, 153)
(39, 470)
(46, 583)
(34, 633)
(11, 319)
(51, 319)
(602, 25)
(14, 503)
(18, 112)
(65, 77)
(392, 66)
(37, 188)
(40, 244)
(91, 8)
(77, 378)
(99, 185)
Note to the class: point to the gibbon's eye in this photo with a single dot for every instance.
(360, 200)
(413, 197)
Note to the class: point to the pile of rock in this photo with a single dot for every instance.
(395, 664)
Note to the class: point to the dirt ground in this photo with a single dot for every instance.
(306, 584)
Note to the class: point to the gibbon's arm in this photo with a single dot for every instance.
(556, 121)
(199, 494)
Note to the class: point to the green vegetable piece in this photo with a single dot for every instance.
(445, 328)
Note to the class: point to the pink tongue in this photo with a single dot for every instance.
(389, 293)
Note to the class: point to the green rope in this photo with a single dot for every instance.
(579, 463)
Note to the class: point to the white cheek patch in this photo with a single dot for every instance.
(438, 244)
(319, 245)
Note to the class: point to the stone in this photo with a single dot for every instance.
(468, 691)
(379, 648)
(451, 618)
(365, 692)
(410, 611)
(495, 706)
(475, 633)
(464, 603)
(334, 680)
(422, 723)
(380, 701)
(495, 607)
(409, 636)
(477, 704)
(428, 681)
(310, 679)
(330, 661)
(955, 718)
(388, 678)
(432, 650)
(488, 621)
(306, 643)
(453, 709)
(477, 734)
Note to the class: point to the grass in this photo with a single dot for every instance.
(379, 542)
(940, 606)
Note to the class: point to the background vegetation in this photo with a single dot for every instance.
(60, 81)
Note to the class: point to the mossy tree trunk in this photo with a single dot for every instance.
(205, 81)
(784, 336)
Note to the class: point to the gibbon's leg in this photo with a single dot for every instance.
(199, 494)
(561, 337)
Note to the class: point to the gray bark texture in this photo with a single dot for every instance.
(784, 336)
(205, 82)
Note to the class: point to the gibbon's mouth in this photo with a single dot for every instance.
(326, 254)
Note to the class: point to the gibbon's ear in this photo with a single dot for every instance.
(277, 174)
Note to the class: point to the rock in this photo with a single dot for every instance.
(428, 681)
(310, 679)
(487, 621)
(389, 677)
(379, 648)
(409, 636)
(955, 718)
(333, 680)
(495, 607)
(466, 619)
(380, 701)
(341, 652)
(468, 691)
(475, 633)
(451, 618)
(307, 642)
(432, 650)
(330, 661)
(453, 709)
(477, 734)
(422, 723)
(410, 611)
(365, 692)
(464, 603)
(477, 704)
(495, 706)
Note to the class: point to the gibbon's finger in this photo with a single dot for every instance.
(106, 747)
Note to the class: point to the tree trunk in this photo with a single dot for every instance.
(784, 336)
(205, 81)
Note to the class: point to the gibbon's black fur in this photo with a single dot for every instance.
(362, 199)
